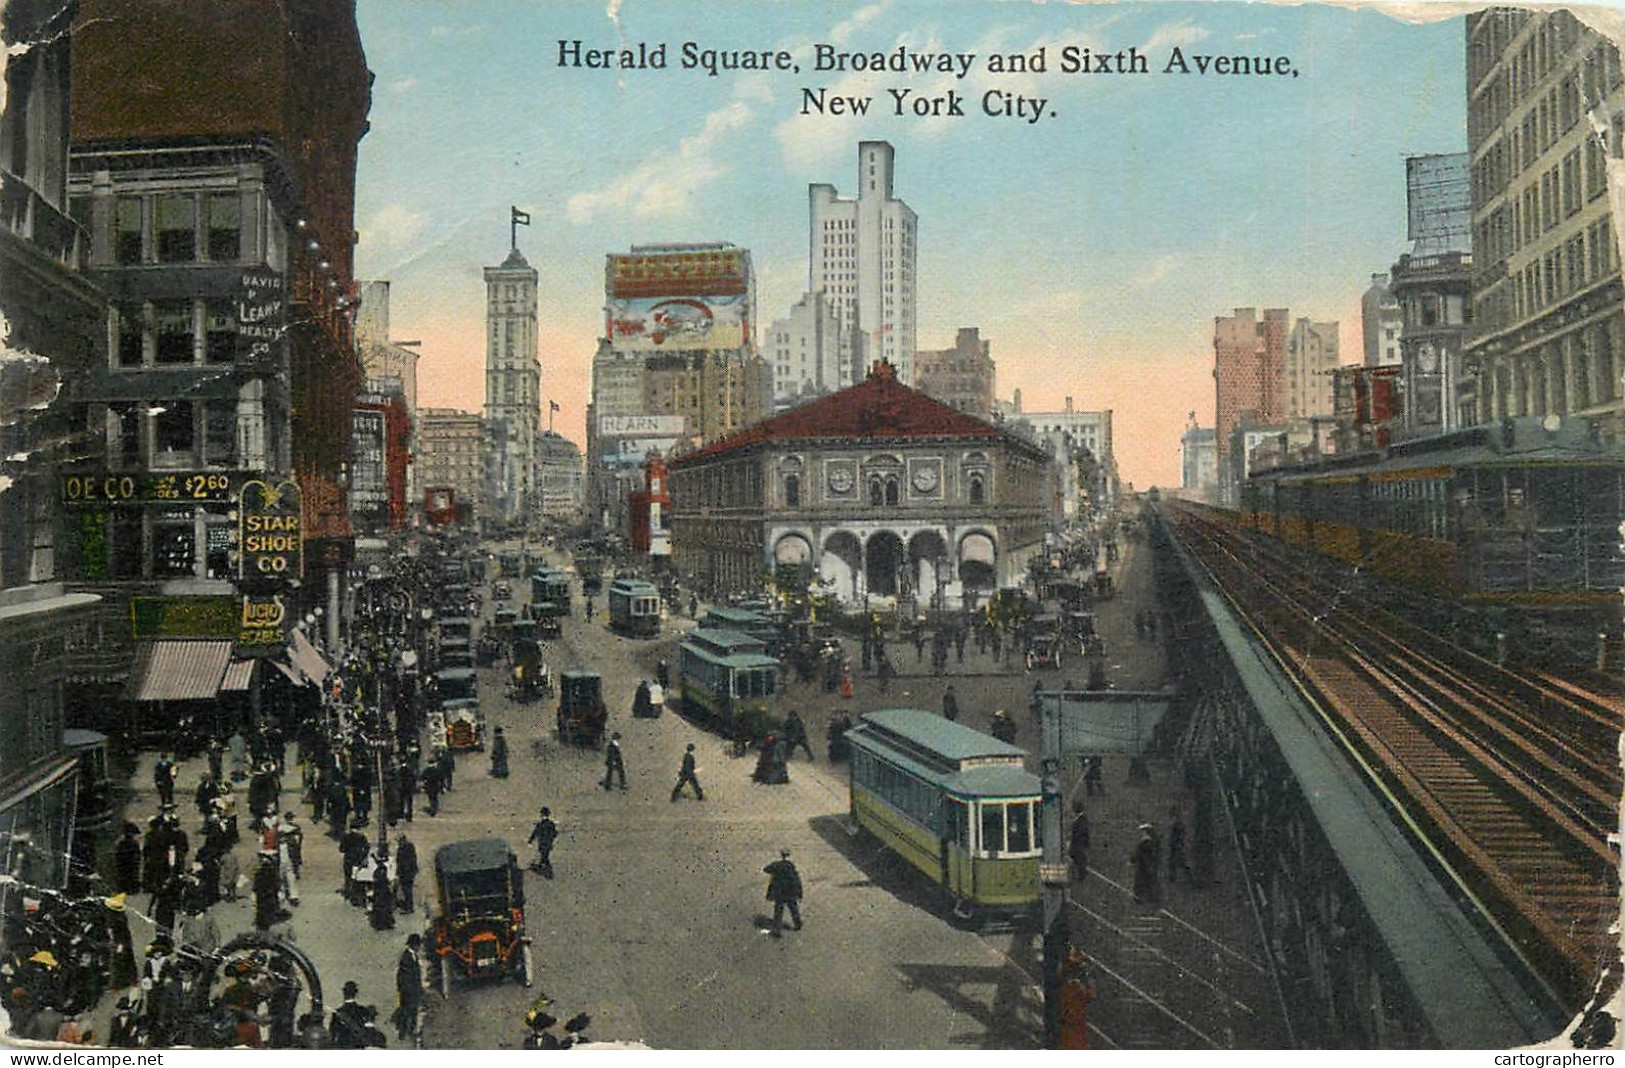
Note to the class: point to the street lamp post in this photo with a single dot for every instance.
(1053, 872)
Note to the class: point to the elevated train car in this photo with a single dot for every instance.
(1514, 527)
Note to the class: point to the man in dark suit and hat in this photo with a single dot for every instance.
(784, 890)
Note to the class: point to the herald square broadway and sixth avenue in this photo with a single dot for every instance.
(342, 718)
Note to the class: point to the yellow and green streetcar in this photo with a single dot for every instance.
(727, 677)
(958, 804)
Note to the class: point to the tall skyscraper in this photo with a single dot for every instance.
(1545, 335)
(1249, 359)
(861, 253)
(513, 388)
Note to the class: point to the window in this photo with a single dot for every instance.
(877, 493)
(1018, 828)
(175, 222)
(992, 828)
(127, 231)
(220, 433)
(131, 335)
(174, 543)
(174, 327)
(175, 435)
(220, 333)
(126, 539)
(217, 532)
(891, 491)
(792, 491)
(225, 227)
(978, 491)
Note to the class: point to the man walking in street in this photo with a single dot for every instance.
(432, 785)
(163, 777)
(784, 890)
(614, 765)
(795, 733)
(406, 870)
(1078, 839)
(544, 834)
(408, 989)
(686, 775)
(950, 704)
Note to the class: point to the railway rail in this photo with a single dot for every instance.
(1509, 780)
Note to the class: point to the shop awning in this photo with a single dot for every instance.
(307, 659)
(172, 669)
(292, 673)
(239, 676)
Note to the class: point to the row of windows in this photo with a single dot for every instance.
(169, 542)
(172, 227)
(160, 333)
(177, 436)
(1001, 826)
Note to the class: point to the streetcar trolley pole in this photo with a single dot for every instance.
(1052, 869)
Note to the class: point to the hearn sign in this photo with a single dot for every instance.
(271, 537)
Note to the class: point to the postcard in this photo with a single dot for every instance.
(875, 526)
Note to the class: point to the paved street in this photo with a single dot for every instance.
(656, 921)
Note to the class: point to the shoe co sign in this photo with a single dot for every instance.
(271, 535)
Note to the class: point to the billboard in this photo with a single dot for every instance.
(1439, 206)
(650, 324)
(261, 318)
(649, 426)
(678, 271)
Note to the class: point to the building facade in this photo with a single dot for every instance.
(451, 460)
(513, 390)
(558, 464)
(1084, 473)
(383, 359)
(57, 334)
(961, 377)
(1380, 323)
(878, 492)
(214, 170)
(1433, 292)
(677, 366)
(809, 352)
(862, 253)
(1249, 359)
(1311, 357)
(1198, 461)
(1547, 305)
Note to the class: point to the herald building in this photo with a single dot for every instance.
(878, 491)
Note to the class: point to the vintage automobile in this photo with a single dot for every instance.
(530, 678)
(480, 932)
(548, 628)
(501, 592)
(581, 707)
(487, 650)
(1044, 651)
(465, 724)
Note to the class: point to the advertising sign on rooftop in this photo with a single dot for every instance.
(648, 323)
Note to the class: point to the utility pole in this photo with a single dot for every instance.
(1052, 870)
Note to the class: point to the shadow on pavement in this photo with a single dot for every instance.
(885, 870)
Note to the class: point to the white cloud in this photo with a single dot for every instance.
(1174, 33)
(665, 181)
(842, 31)
(402, 85)
(1159, 269)
(456, 31)
(392, 226)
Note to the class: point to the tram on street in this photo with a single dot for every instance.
(955, 803)
(727, 677)
(550, 592)
(634, 607)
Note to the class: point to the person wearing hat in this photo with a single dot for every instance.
(544, 834)
(784, 890)
(290, 844)
(408, 988)
(266, 886)
(383, 898)
(541, 1035)
(127, 861)
(499, 755)
(614, 763)
(124, 1032)
(353, 849)
(406, 870)
(687, 775)
(1146, 853)
(163, 777)
(121, 946)
(348, 1027)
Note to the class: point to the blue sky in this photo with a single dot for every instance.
(1093, 248)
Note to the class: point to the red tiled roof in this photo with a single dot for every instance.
(878, 407)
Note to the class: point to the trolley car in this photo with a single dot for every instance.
(550, 592)
(956, 803)
(729, 678)
(634, 607)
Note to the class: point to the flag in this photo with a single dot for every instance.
(519, 218)
(553, 406)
